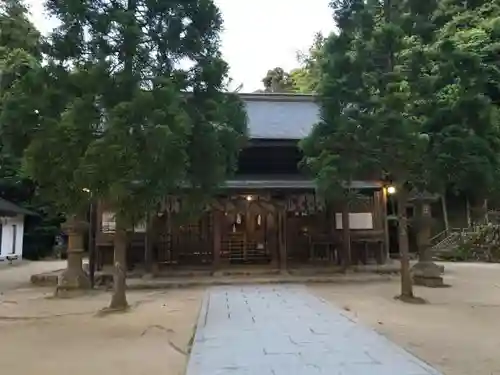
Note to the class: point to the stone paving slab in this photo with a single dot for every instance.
(275, 330)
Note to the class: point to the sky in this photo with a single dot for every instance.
(258, 34)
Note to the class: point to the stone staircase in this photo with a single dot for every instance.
(447, 242)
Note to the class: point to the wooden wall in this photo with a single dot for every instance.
(194, 242)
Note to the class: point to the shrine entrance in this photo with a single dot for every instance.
(249, 231)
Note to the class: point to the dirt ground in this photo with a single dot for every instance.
(458, 331)
(44, 336)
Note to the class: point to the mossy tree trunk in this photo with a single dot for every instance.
(404, 248)
(119, 297)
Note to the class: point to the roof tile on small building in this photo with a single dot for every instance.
(9, 209)
(280, 116)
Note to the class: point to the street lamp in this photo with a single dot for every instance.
(391, 190)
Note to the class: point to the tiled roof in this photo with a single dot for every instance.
(287, 182)
(280, 116)
(8, 208)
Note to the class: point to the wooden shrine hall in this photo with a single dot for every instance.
(268, 214)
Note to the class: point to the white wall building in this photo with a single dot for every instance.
(11, 230)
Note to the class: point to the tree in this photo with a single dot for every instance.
(19, 65)
(55, 154)
(22, 94)
(307, 78)
(164, 128)
(395, 142)
(364, 96)
(331, 150)
(304, 79)
(277, 81)
(464, 125)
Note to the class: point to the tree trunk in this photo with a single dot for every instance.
(404, 248)
(445, 212)
(479, 211)
(467, 212)
(346, 235)
(119, 297)
(149, 239)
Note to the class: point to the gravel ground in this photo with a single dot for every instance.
(457, 331)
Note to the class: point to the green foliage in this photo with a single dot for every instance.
(335, 148)
(409, 90)
(157, 120)
(142, 153)
(464, 117)
(415, 84)
(19, 67)
(54, 156)
(22, 95)
(307, 78)
(304, 79)
(277, 80)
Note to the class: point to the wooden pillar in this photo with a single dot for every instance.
(272, 227)
(169, 242)
(216, 231)
(346, 234)
(282, 239)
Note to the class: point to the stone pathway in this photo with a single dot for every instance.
(285, 330)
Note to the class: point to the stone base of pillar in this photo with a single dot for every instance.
(72, 283)
(428, 274)
(430, 282)
(73, 279)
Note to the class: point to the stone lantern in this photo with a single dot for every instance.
(425, 272)
(73, 277)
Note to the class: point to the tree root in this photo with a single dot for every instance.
(176, 348)
(411, 299)
(168, 331)
(157, 326)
